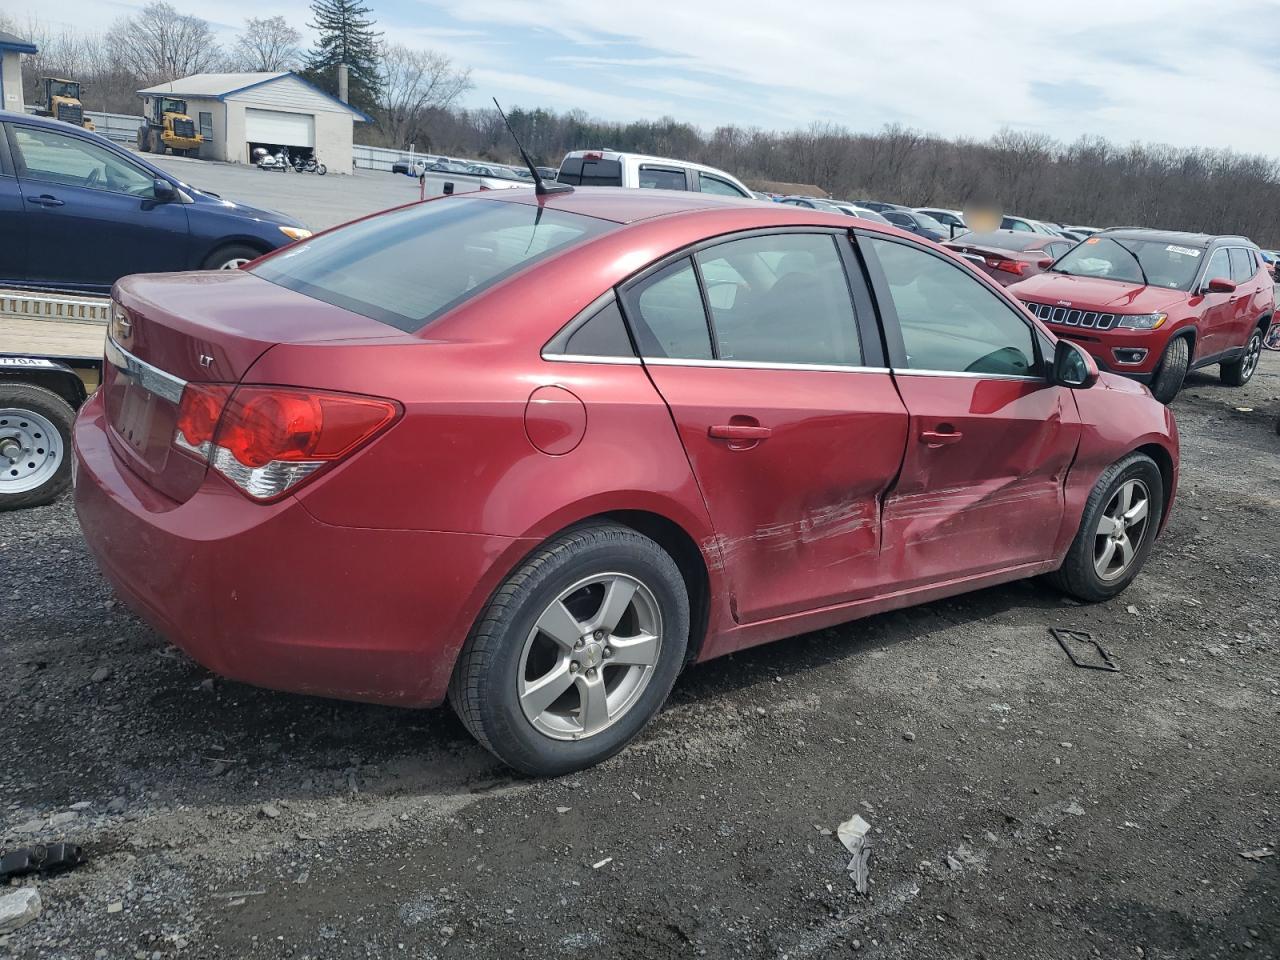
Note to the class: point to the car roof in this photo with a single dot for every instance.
(628, 205)
(1171, 236)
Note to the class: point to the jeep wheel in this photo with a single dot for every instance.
(1172, 370)
(35, 445)
(1239, 372)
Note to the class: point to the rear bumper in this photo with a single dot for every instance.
(271, 596)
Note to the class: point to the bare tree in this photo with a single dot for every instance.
(158, 43)
(415, 82)
(267, 45)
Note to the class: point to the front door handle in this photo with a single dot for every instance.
(940, 438)
(734, 431)
(45, 200)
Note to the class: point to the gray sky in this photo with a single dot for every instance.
(1187, 73)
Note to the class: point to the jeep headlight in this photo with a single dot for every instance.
(1141, 321)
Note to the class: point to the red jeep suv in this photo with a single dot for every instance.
(1153, 304)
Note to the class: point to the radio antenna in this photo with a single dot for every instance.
(540, 187)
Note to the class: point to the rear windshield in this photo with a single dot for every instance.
(408, 267)
(585, 172)
(1002, 239)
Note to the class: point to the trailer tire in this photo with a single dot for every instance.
(36, 424)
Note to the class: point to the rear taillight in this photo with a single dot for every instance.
(267, 440)
(1009, 266)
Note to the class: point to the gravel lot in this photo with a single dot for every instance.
(1019, 807)
(319, 202)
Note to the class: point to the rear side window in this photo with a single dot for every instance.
(781, 299)
(410, 266)
(586, 172)
(604, 335)
(662, 178)
(710, 184)
(668, 317)
(1243, 266)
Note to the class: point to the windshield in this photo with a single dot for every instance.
(410, 266)
(929, 223)
(168, 105)
(1127, 260)
(64, 88)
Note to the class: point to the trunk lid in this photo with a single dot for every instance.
(171, 329)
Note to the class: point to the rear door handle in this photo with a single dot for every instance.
(734, 431)
(940, 438)
(45, 200)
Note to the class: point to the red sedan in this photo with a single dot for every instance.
(535, 454)
(1007, 256)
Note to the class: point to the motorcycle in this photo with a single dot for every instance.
(309, 165)
(269, 161)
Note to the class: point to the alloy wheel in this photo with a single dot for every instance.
(1121, 529)
(1252, 352)
(590, 656)
(30, 450)
(235, 263)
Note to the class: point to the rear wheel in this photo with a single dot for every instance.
(231, 257)
(1117, 530)
(575, 652)
(1239, 372)
(35, 445)
(144, 140)
(1172, 370)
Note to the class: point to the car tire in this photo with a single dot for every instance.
(1239, 372)
(35, 424)
(231, 257)
(1172, 370)
(1083, 573)
(504, 685)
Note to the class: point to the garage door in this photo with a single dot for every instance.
(274, 126)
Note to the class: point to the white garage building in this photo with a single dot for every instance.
(236, 112)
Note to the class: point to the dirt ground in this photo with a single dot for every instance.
(1020, 807)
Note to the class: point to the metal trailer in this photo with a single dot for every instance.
(51, 347)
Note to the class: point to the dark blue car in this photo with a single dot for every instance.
(77, 212)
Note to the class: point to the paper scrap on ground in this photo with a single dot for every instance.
(853, 834)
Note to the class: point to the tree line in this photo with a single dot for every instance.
(412, 95)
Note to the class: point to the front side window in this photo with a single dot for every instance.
(1242, 266)
(710, 184)
(658, 178)
(1155, 263)
(409, 266)
(52, 157)
(781, 299)
(669, 321)
(950, 321)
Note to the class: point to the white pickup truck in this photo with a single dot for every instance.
(609, 168)
(441, 176)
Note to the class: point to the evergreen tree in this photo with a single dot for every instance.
(346, 35)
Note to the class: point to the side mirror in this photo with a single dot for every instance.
(1073, 367)
(1044, 263)
(163, 190)
(1220, 285)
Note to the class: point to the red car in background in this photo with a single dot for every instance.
(1156, 304)
(535, 453)
(1007, 256)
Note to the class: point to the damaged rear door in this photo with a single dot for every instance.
(990, 438)
(781, 397)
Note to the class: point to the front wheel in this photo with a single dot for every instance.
(1117, 530)
(231, 257)
(576, 651)
(1239, 372)
(35, 445)
(321, 169)
(1172, 371)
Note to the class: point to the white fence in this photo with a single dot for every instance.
(381, 158)
(116, 126)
